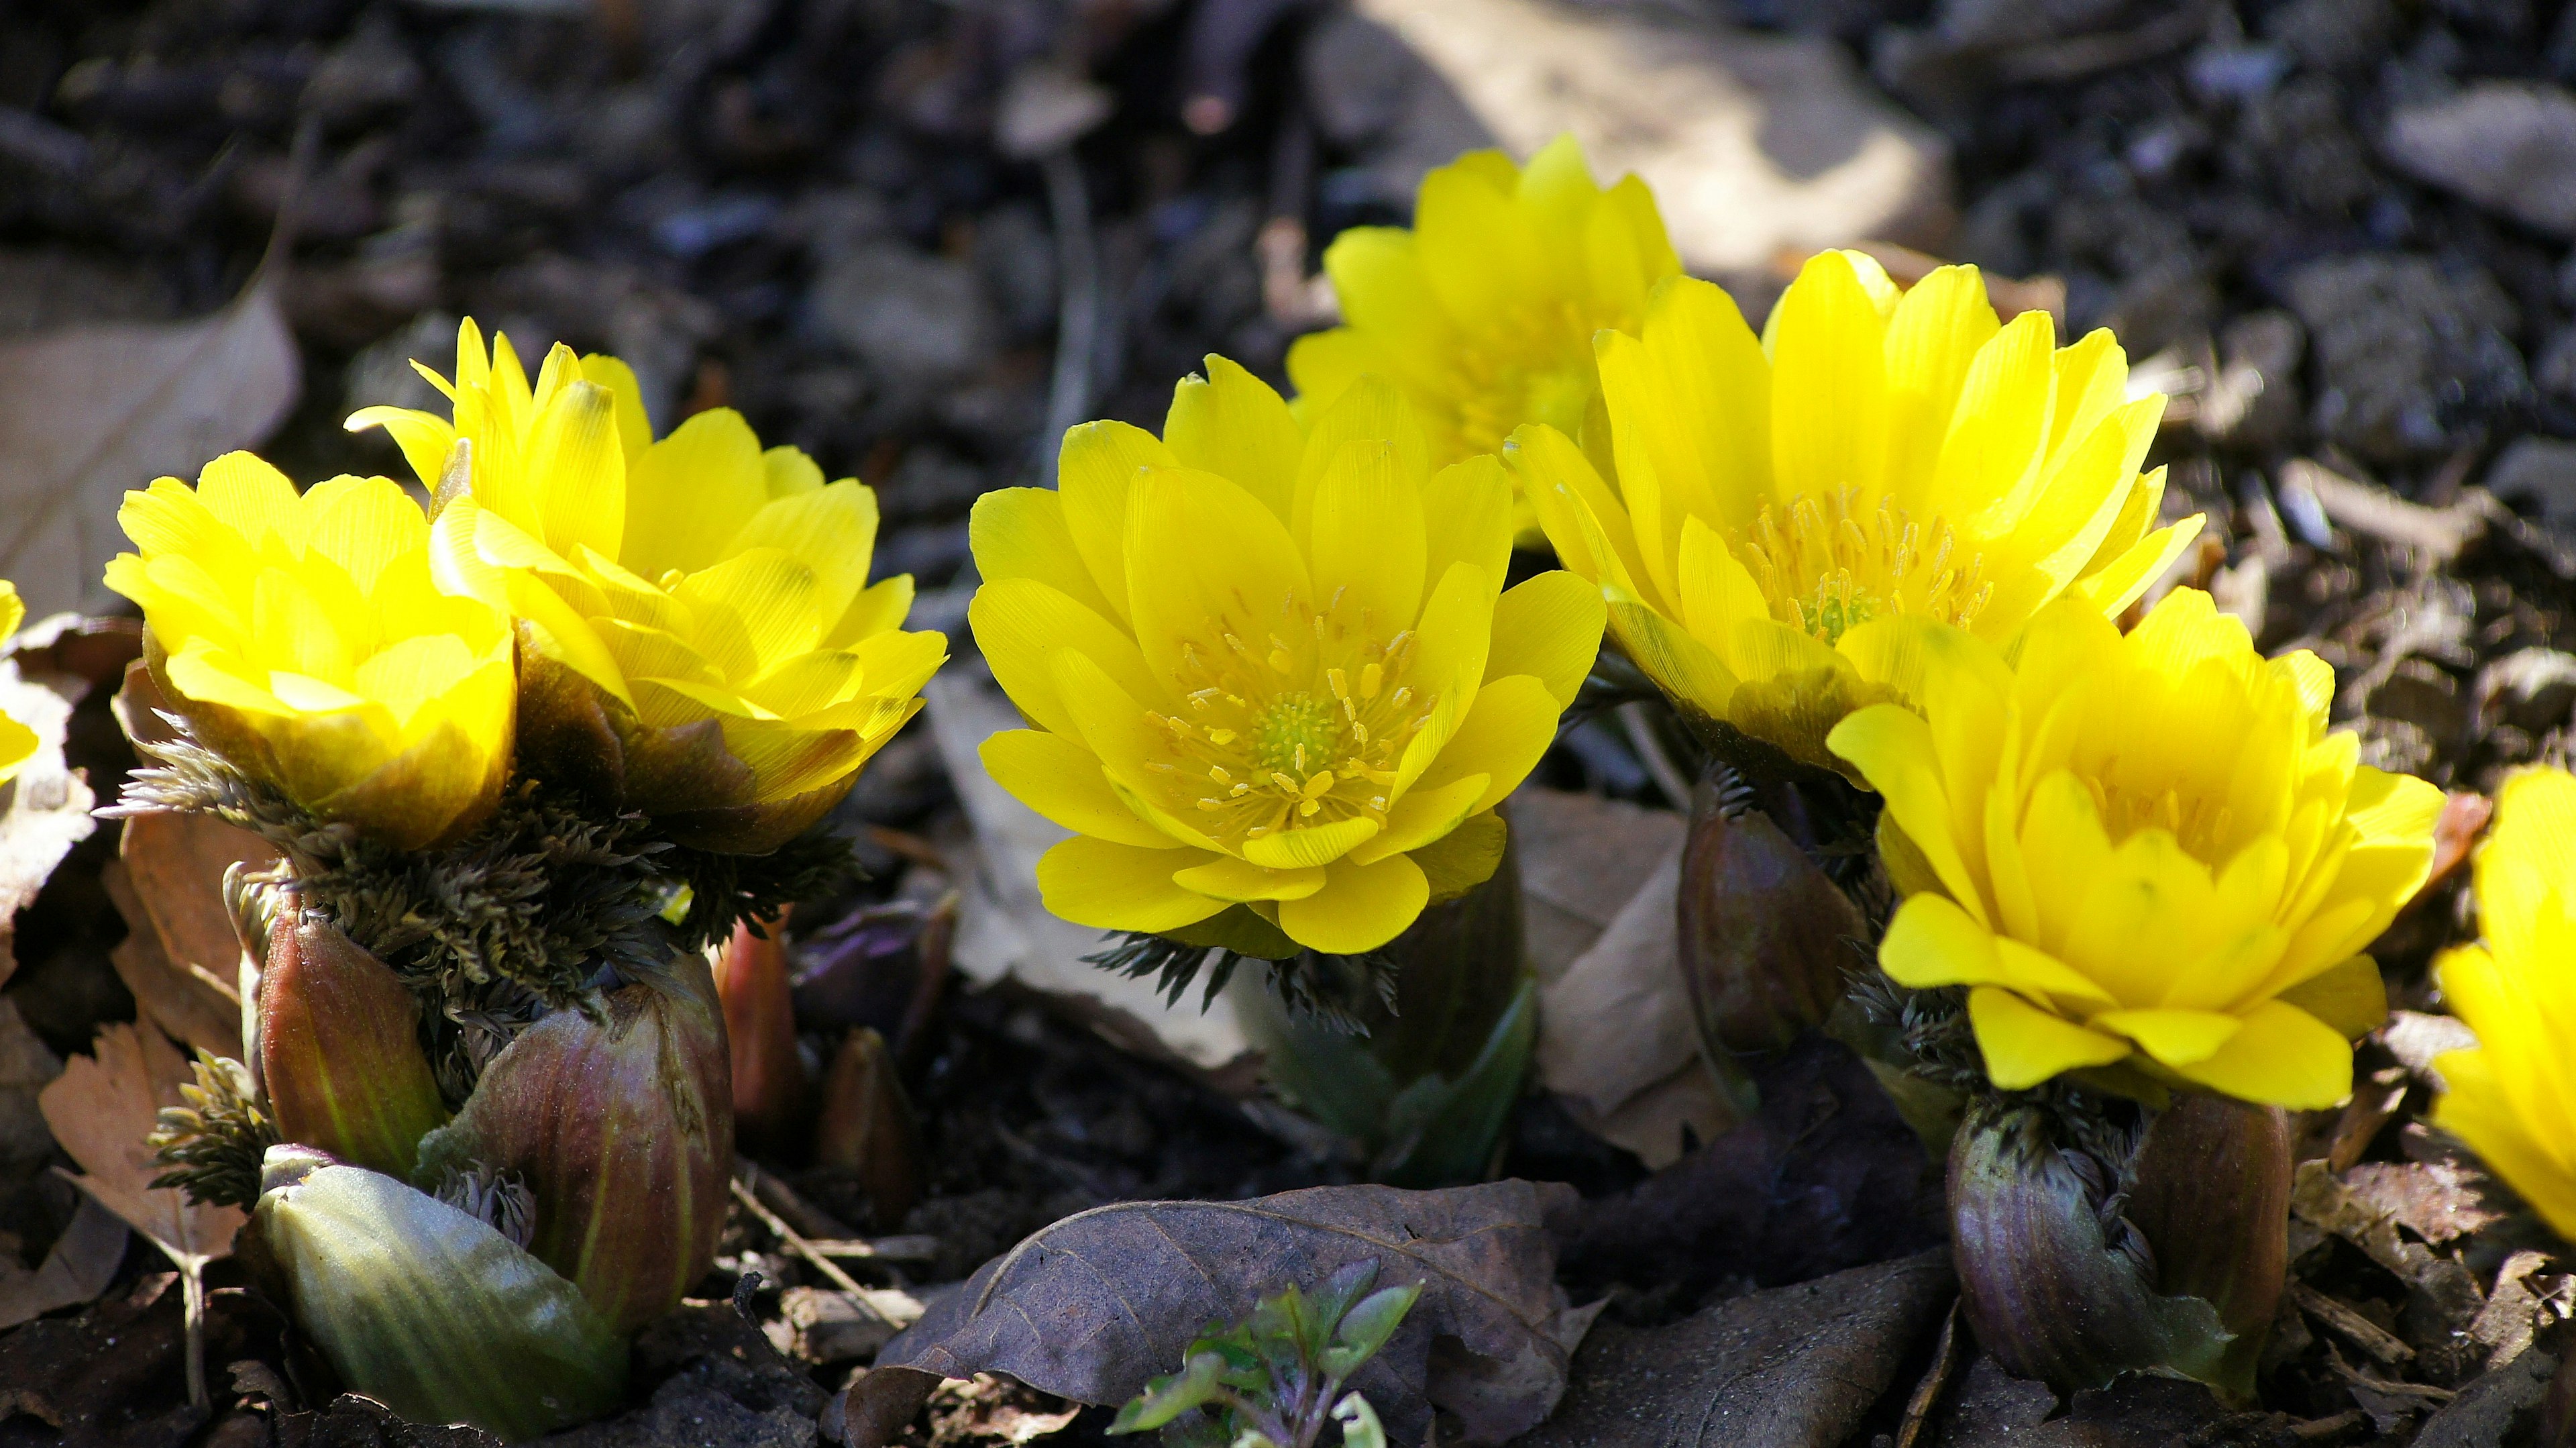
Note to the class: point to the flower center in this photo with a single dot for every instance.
(1532, 366)
(1827, 565)
(1300, 725)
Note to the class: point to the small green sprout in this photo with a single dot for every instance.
(1275, 1380)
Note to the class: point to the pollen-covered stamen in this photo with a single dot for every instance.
(1826, 565)
(1534, 362)
(2205, 826)
(1284, 734)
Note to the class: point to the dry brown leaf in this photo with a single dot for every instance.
(173, 880)
(82, 1262)
(88, 412)
(45, 810)
(1092, 1307)
(101, 1108)
(187, 1001)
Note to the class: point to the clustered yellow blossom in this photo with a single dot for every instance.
(1789, 513)
(1277, 685)
(695, 613)
(1483, 314)
(2145, 856)
(17, 741)
(304, 639)
(2512, 1098)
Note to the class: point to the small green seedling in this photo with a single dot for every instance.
(1275, 1381)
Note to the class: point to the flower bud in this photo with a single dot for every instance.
(2211, 1192)
(2058, 1283)
(621, 1127)
(428, 1310)
(1766, 938)
(770, 1086)
(866, 1128)
(339, 1047)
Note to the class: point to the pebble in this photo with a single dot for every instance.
(917, 321)
(2508, 146)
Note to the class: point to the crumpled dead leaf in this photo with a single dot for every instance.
(1616, 1040)
(1794, 1367)
(77, 1268)
(101, 1108)
(44, 811)
(88, 412)
(1005, 930)
(181, 956)
(1091, 1307)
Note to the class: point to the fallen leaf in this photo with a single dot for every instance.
(1091, 1307)
(1005, 930)
(181, 956)
(88, 412)
(101, 1108)
(78, 1267)
(44, 811)
(1583, 860)
(2445, 1298)
(26, 1064)
(2437, 1201)
(1794, 1367)
(1825, 1176)
(1616, 1039)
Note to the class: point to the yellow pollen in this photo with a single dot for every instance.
(1826, 565)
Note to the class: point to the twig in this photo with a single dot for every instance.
(1936, 1381)
(1077, 328)
(797, 1244)
(2350, 1325)
(1650, 750)
(880, 1249)
(2441, 532)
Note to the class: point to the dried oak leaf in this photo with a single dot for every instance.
(88, 412)
(1091, 1307)
(44, 811)
(77, 1268)
(101, 1108)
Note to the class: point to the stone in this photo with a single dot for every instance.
(2508, 146)
(1755, 144)
(2411, 358)
(2533, 690)
(2540, 471)
(919, 322)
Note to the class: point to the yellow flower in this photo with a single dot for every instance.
(1483, 313)
(2513, 1097)
(305, 641)
(699, 638)
(1269, 665)
(17, 741)
(1790, 512)
(2145, 851)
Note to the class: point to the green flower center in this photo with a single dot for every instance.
(1294, 732)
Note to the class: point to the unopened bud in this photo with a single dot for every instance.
(621, 1129)
(2066, 1285)
(1766, 937)
(428, 1310)
(339, 1047)
(771, 1089)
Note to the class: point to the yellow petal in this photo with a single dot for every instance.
(1096, 471)
(577, 472)
(1111, 886)
(2024, 1045)
(1021, 533)
(1205, 558)
(1019, 625)
(1828, 381)
(1061, 780)
(1366, 538)
(1301, 847)
(2175, 1038)
(1549, 628)
(2281, 1057)
(1503, 737)
(1360, 908)
(1228, 878)
(1231, 424)
(1426, 813)
(690, 493)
